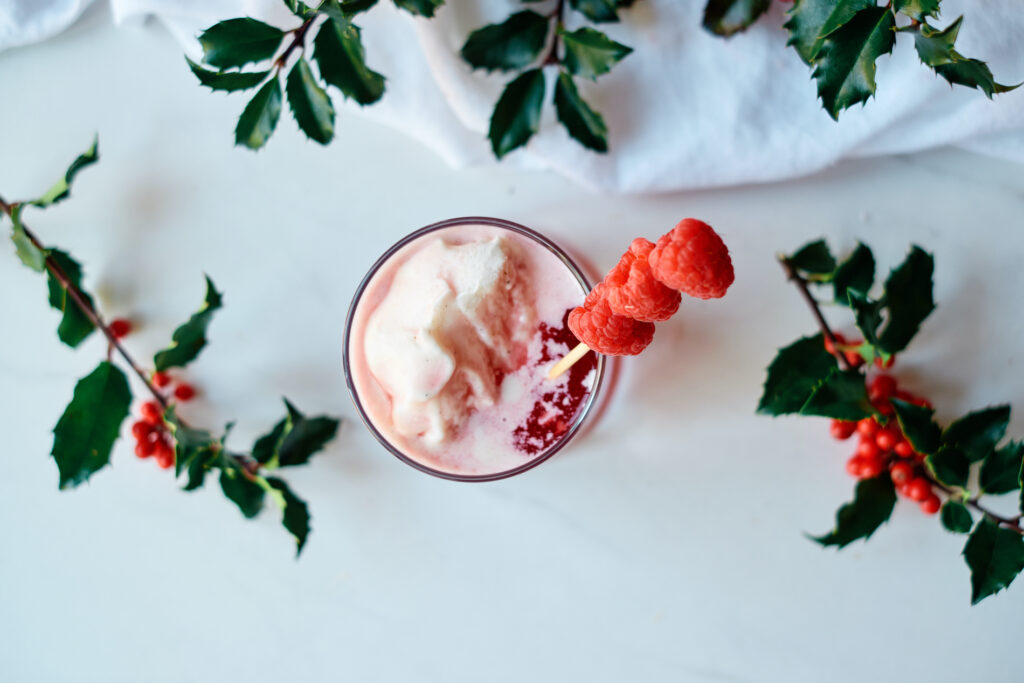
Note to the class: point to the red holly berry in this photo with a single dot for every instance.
(144, 448)
(161, 379)
(141, 429)
(867, 427)
(842, 429)
(830, 347)
(692, 258)
(868, 449)
(886, 364)
(918, 489)
(597, 326)
(931, 504)
(853, 358)
(887, 438)
(871, 468)
(185, 392)
(120, 327)
(881, 387)
(853, 465)
(903, 449)
(634, 292)
(152, 412)
(164, 454)
(913, 398)
(901, 473)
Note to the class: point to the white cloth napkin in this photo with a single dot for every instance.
(685, 110)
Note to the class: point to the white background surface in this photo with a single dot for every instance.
(666, 546)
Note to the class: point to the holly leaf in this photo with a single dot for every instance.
(310, 104)
(590, 53)
(794, 374)
(597, 11)
(584, 124)
(242, 490)
(86, 432)
(868, 317)
(978, 432)
(199, 466)
(814, 258)
(265, 448)
(856, 273)
(299, 9)
(917, 9)
(511, 45)
(995, 557)
(811, 21)
(74, 325)
(61, 190)
(726, 17)
(918, 426)
(516, 116)
(237, 42)
(908, 298)
(349, 8)
(422, 8)
(227, 82)
(260, 116)
(27, 251)
(935, 49)
(189, 442)
(295, 512)
(189, 339)
(956, 517)
(950, 466)
(872, 505)
(1000, 471)
(842, 396)
(845, 63)
(341, 58)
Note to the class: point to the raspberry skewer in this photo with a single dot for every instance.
(617, 318)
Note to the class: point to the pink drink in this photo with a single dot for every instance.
(448, 343)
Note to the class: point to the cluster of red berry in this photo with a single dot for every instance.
(152, 438)
(618, 315)
(882, 445)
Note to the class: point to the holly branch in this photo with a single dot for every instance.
(86, 432)
(901, 449)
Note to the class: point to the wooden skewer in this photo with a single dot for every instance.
(568, 361)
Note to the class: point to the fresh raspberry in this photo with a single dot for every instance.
(842, 429)
(931, 504)
(164, 454)
(161, 379)
(185, 392)
(597, 326)
(120, 328)
(692, 258)
(152, 413)
(881, 388)
(633, 291)
(901, 473)
(918, 489)
(903, 449)
(867, 427)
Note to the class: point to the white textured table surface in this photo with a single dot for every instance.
(666, 546)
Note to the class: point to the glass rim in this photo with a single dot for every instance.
(581, 416)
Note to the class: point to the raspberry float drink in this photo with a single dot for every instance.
(448, 343)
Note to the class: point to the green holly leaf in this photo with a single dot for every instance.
(74, 326)
(995, 557)
(511, 45)
(310, 104)
(190, 443)
(1000, 471)
(842, 396)
(872, 504)
(86, 432)
(597, 11)
(242, 489)
(584, 124)
(295, 512)
(918, 426)
(814, 258)
(265, 448)
(27, 251)
(811, 21)
(229, 81)
(339, 54)
(950, 466)
(917, 9)
(590, 53)
(794, 374)
(908, 298)
(61, 190)
(299, 9)
(350, 8)
(303, 437)
(517, 114)
(935, 49)
(189, 339)
(237, 42)
(856, 273)
(726, 17)
(260, 116)
(422, 8)
(868, 317)
(204, 460)
(978, 432)
(845, 64)
(956, 517)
